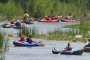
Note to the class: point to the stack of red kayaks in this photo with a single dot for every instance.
(64, 20)
(43, 20)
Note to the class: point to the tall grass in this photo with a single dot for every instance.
(4, 44)
(29, 31)
(58, 34)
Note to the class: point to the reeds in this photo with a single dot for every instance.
(28, 31)
(4, 44)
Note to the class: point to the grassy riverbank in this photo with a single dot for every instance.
(84, 25)
(4, 43)
(58, 34)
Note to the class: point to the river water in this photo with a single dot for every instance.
(43, 53)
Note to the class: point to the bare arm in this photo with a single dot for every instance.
(32, 40)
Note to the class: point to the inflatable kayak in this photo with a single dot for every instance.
(76, 52)
(12, 25)
(87, 49)
(29, 22)
(6, 26)
(64, 20)
(21, 43)
(22, 21)
(43, 20)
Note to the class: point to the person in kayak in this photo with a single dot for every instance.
(87, 44)
(29, 39)
(12, 22)
(52, 18)
(67, 18)
(47, 18)
(6, 23)
(17, 23)
(69, 47)
(24, 19)
(21, 38)
(30, 20)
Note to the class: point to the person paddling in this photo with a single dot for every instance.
(29, 39)
(87, 44)
(69, 47)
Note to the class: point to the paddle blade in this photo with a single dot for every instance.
(23, 35)
(19, 20)
(1, 25)
(9, 35)
(26, 25)
(59, 53)
(41, 44)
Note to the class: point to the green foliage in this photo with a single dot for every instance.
(78, 8)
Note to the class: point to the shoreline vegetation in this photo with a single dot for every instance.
(78, 9)
(77, 33)
(4, 44)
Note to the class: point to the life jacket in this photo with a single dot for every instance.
(6, 23)
(29, 40)
(47, 18)
(17, 23)
(88, 44)
(12, 22)
(66, 18)
(53, 18)
(22, 38)
(30, 19)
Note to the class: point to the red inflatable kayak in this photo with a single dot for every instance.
(22, 21)
(12, 25)
(43, 20)
(64, 20)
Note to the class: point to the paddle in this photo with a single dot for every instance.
(57, 50)
(9, 35)
(1, 25)
(26, 25)
(19, 20)
(23, 35)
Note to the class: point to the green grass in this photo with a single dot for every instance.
(4, 43)
(28, 31)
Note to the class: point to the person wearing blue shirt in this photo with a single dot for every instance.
(30, 19)
(17, 23)
(29, 39)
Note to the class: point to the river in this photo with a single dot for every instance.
(43, 53)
